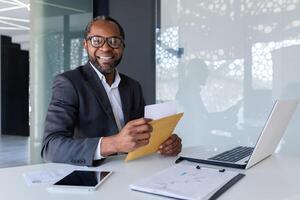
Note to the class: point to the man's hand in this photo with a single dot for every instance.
(134, 134)
(171, 147)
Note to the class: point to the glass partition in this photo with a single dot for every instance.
(226, 62)
(57, 28)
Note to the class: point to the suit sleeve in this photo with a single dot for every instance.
(59, 145)
(141, 102)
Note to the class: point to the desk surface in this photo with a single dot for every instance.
(275, 178)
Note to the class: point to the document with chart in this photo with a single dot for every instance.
(188, 182)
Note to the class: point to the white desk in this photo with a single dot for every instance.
(276, 178)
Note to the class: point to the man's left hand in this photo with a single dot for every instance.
(171, 147)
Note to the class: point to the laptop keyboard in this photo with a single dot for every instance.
(234, 154)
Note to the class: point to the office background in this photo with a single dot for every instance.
(225, 62)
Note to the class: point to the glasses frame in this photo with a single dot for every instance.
(106, 40)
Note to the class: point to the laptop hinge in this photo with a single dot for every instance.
(212, 162)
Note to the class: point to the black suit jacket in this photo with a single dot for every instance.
(80, 113)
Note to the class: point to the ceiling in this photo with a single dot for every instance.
(14, 21)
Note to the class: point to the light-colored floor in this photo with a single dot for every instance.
(14, 151)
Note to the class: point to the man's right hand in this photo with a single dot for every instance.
(134, 134)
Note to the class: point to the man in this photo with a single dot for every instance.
(95, 111)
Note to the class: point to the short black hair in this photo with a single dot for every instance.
(103, 18)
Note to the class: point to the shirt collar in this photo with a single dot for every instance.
(116, 82)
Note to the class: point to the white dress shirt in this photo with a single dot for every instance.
(113, 94)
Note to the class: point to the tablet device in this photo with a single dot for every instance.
(81, 180)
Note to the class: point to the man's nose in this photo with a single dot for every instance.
(106, 46)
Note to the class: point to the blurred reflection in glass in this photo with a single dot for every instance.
(201, 126)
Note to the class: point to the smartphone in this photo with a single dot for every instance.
(81, 180)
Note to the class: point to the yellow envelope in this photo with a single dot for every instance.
(162, 130)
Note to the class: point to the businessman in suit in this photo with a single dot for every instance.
(95, 111)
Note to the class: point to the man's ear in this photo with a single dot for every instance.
(84, 44)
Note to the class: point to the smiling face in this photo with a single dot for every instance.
(104, 58)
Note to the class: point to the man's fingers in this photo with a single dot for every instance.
(141, 143)
(142, 128)
(171, 147)
(138, 122)
(142, 136)
(169, 141)
(175, 150)
(166, 143)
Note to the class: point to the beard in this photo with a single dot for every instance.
(104, 70)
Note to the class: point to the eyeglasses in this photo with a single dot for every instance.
(98, 41)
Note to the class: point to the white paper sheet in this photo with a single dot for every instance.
(157, 111)
(47, 176)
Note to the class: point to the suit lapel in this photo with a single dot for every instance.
(125, 98)
(99, 91)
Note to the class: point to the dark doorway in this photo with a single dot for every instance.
(14, 89)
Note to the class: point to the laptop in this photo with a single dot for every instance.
(242, 157)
